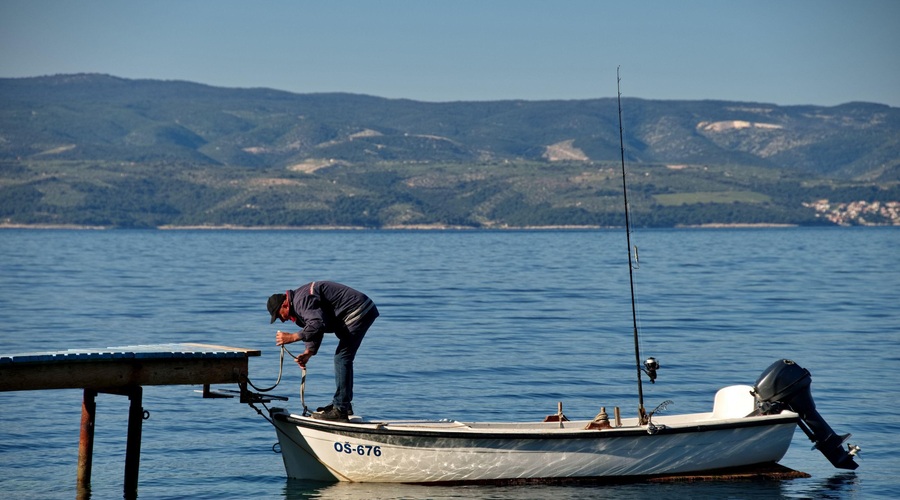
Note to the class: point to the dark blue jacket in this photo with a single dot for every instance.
(324, 307)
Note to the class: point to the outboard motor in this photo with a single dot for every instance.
(785, 384)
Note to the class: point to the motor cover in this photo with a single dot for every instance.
(785, 384)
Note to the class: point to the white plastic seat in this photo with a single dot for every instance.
(735, 401)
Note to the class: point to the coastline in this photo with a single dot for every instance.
(233, 227)
(714, 225)
(9, 225)
(414, 227)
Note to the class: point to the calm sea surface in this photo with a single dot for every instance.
(475, 325)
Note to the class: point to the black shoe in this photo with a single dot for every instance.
(332, 414)
(326, 408)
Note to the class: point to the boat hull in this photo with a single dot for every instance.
(455, 452)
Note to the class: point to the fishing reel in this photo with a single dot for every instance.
(650, 367)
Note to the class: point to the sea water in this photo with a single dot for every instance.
(475, 325)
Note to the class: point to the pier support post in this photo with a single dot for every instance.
(86, 439)
(133, 445)
(122, 371)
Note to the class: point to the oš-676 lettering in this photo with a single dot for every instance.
(363, 450)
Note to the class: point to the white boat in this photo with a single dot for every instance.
(744, 431)
(747, 428)
(457, 452)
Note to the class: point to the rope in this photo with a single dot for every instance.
(306, 412)
(284, 349)
(280, 371)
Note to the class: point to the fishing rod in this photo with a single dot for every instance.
(642, 413)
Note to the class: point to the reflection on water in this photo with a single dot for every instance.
(762, 489)
(838, 486)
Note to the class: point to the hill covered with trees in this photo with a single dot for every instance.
(98, 150)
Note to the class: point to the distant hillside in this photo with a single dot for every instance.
(100, 150)
(106, 118)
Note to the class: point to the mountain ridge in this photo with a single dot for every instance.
(176, 152)
(118, 117)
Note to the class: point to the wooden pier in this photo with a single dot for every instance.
(123, 371)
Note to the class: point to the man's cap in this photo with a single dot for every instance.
(274, 305)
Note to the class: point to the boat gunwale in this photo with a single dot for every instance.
(360, 429)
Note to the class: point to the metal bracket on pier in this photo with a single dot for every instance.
(246, 396)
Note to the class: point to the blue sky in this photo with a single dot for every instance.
(821, 52)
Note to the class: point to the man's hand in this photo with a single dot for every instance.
(282, 338)
(303, 358)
